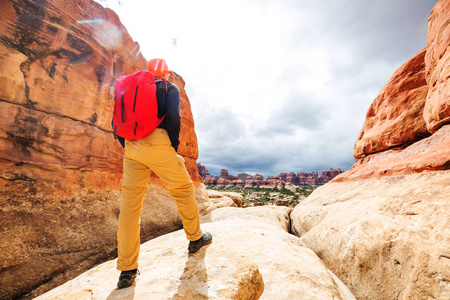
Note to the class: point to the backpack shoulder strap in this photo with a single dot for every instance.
(161, 80)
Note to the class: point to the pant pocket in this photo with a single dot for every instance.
(180, 159)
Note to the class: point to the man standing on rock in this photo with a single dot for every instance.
(156, 152)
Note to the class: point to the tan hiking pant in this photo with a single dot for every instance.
(152, 153)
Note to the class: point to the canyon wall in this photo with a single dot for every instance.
(60, 167)
(396, 136)
(383, 226)
(406, 128)
(283, 180)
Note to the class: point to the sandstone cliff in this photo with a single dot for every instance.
(383, 226)
(60, 167)
(405, 129)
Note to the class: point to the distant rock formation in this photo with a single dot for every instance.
(282, 180)
(382, 227)
(202, 171)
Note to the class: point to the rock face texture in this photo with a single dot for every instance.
(437, 60)
(395, 117)
(60, 167)
(232, 267)
(283, 180)
(396, 137)
(428, 154)
(383, 226)
(385, 238)
(55, 86)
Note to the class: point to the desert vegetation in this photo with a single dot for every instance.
(258, 196)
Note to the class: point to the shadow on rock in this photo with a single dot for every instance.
(125, 294)
(194, 280)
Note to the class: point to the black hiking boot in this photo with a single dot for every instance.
(194, 246)
(126, 278)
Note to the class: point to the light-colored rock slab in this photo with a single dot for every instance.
(204, 203)
(245, 257)
(385, 238)
(275, 215)
(223, 197)
(237, 198)
(220, 200)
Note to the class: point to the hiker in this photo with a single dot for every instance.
(155, 152)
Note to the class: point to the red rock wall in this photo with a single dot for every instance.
(60, 167)
(56, 85)
(395, 116)
(406, 128)
(437, 59)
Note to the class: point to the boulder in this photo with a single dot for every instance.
(223, 201)
(220, 200)
(237, 198)
(386, 237)
(204, 203)
(247, 259)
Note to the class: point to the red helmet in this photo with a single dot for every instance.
(158, 67)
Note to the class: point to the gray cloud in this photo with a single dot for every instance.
(366, 41)
(298, 110)
(221, 126)
(379, 30)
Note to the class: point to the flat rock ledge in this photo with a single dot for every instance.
(248, 259)
(271, 214)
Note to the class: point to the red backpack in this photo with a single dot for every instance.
(136, 107)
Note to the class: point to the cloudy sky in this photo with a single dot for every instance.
(278, 86)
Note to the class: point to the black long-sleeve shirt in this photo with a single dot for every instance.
(168, 97)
